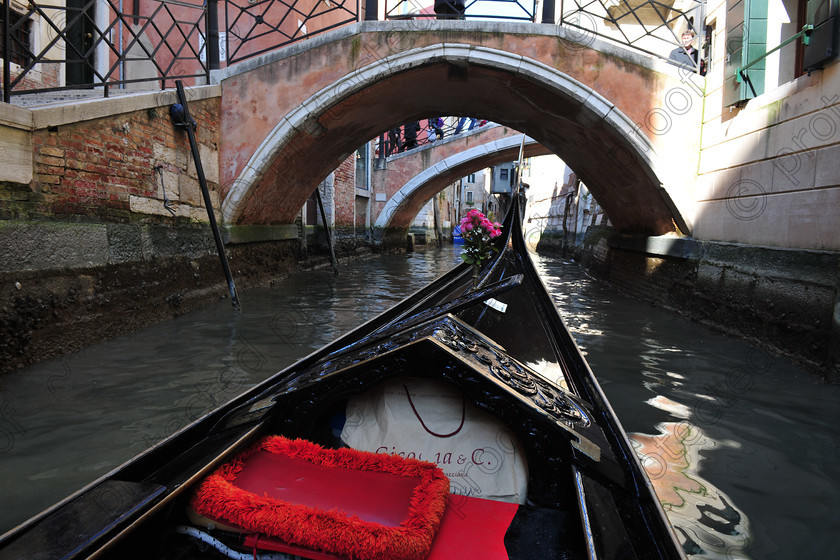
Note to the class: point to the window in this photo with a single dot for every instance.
(20, 31)
(706, 48)
(471, 178)
(743, 22)
(822, 47)
(764, 41)
(503, 174)
(362, 165)
(469, 197)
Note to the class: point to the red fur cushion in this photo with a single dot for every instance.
(360, 505)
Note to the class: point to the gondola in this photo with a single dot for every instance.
(543, 470)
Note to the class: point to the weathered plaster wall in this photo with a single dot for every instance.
(769, 171)
(345, 185)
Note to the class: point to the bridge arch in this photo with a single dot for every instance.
(404, 205)
(605, 148)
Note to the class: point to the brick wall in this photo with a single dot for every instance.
(107, 169)
(345, 193)
(47, 75)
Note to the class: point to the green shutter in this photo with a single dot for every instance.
(746, 40)
(756, 42)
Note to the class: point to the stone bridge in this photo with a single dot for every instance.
(411, 178)
(290, 117)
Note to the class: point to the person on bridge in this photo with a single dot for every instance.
(394, 144)
(410, 135)
(461, 122)
(436, 126)
(687, 55)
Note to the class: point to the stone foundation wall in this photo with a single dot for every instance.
(88, 283)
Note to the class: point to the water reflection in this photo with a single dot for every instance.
(707, 524)
(739, 444)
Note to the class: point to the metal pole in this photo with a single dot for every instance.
(212, 36)
(371, 10)
(189, 125)
(548, 11)
(7, 53)
(326, 229)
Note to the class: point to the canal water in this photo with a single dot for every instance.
(740, 445)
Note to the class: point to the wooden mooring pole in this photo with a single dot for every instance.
(181, 117)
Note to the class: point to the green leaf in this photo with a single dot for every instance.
(467, 258)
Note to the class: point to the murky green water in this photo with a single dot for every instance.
(740, 444)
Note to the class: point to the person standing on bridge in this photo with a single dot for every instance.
(394, 144)
(687, 55)
(436, 124)
(410, 135)
(460, 126)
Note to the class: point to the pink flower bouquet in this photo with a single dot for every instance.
(478, 232)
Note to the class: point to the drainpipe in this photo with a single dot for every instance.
(7, 48)
(101, 57)
(369, 187)
(833, 368)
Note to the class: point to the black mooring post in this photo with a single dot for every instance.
(7, 49)
(181, 117)
(326, 229)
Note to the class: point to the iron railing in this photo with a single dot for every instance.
(509, 10)
(83, 44)
(254, 28)
(650, 26)
(100, 45)
(395, 141)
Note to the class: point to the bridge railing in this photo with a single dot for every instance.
(259, 26)
(427, 132)
(96, 44)
(103, 46)
(509, 10)
(651, 26)
(109, 45)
